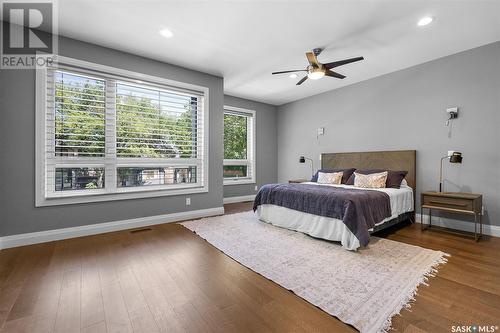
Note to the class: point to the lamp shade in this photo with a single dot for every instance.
(302, 159)
(456, 157)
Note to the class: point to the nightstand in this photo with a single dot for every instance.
(453, 202)
(294, 181)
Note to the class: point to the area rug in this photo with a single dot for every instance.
(365, 288)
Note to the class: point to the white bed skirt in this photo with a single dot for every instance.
(313, 225)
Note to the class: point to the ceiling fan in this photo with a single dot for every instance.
(317, 70)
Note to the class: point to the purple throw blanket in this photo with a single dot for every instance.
(360, 210)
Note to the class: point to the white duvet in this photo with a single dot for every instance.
(330, 228)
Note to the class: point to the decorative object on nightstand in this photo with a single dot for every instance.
(303, 159)
(454, 157)
(296, 181)
(453, 202)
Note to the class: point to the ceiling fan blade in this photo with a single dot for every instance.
(312, 59)
(292, 71)
(302, 80)
(342, 62)
(334, 74)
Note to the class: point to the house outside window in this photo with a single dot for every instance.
(239, 146)
(108, 134)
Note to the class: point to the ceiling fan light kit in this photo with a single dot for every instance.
(315, 73)
(316, 70)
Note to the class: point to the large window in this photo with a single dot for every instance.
(103, 134)
(239, 146)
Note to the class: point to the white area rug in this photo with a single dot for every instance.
(364, 288)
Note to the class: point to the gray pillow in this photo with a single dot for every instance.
(345, 176)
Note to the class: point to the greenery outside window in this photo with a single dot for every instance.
(239, 146)
(104, 135)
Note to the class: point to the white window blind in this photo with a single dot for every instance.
(106, 135)
(154, 123)
(80, 110)
(239, 146)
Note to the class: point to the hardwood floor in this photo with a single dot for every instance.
(166, 279)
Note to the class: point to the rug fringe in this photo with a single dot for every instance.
(409, 298)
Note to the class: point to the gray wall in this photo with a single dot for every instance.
(406, 110)
(17, 168)
(266, 161)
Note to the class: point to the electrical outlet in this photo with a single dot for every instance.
(321, 130)
(188, 201)
(256, 187)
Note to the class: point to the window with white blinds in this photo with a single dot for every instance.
(154, 123)
(107, 135)
(80, 110)
(239, 146)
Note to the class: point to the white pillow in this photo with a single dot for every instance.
(373, 180)
(330, 177)
(404, 183)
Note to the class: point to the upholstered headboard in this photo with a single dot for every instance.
(391, 160)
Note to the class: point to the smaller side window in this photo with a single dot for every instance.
(239, 146)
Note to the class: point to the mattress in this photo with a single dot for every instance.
(401, 201)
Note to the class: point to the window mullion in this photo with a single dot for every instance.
(110, 154)
(200, 148)
(50, 160)
(250, 138)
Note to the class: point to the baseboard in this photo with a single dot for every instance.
(100, 228)
(490, 230)
(243, 198)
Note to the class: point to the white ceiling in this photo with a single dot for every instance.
(244, 41)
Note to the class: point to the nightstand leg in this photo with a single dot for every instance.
(422, 219)
(480, 225)
(422, 228)
(475, 227)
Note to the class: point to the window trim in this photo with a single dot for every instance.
(252, 150)
(99, 195)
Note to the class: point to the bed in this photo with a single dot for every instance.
(352, 232)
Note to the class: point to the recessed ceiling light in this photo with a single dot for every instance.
(166, 33)
(425, 20)
(293, 76)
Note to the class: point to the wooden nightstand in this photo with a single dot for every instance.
(453, 202)
(294, 181)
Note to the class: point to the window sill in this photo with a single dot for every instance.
(103, 197)
(238, 181)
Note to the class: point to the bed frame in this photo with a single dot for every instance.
(390, 160)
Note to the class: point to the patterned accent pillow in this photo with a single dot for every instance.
(372, 180)
(330, 177)
(394, 178)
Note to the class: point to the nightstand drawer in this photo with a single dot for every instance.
(453, 203)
